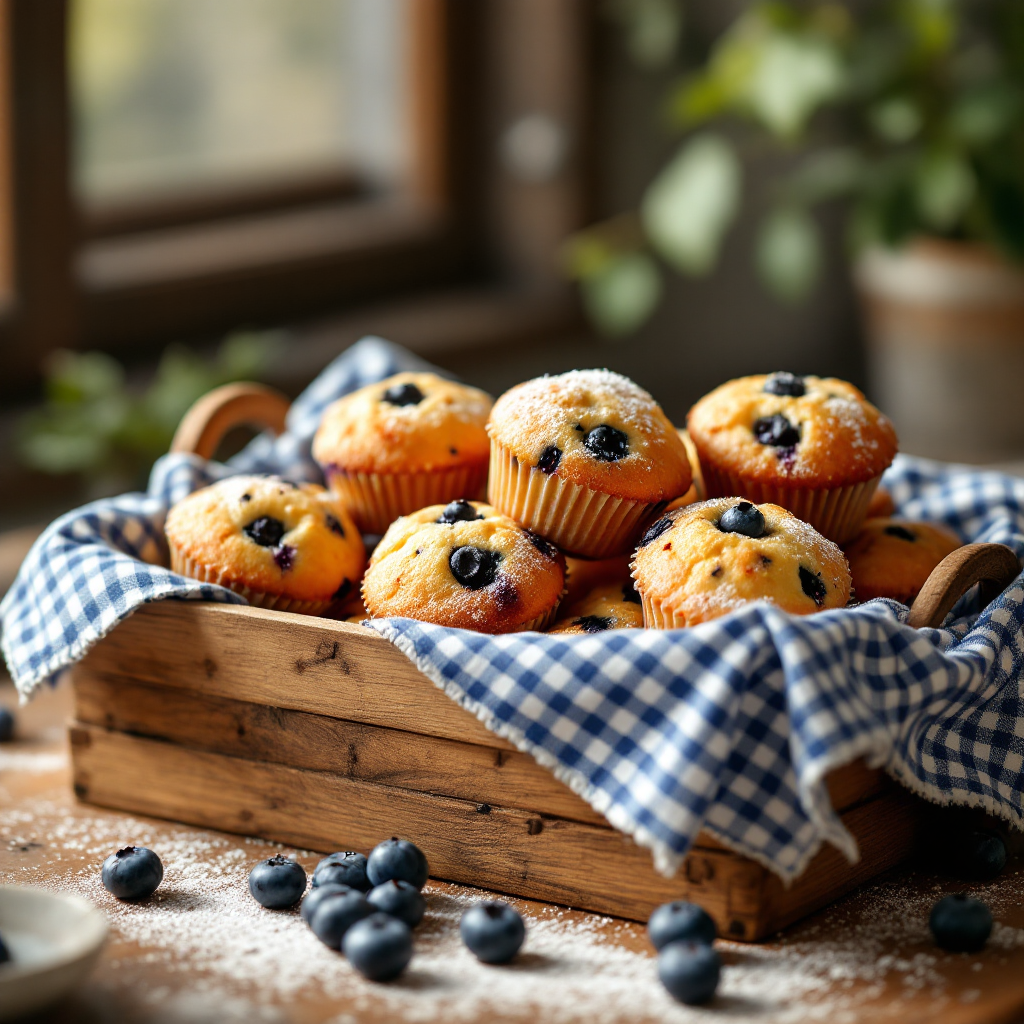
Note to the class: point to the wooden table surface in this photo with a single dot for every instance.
(201, 950)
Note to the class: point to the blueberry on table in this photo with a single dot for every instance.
(743, 518)
(398, 859)
(402, 394)
(399, 899)
(783, 383)
(336, 914)
(6, 725)
(132, 873)
(979, 856)
(960, 923)
(379, 947)
(277, 882)
(345, 867)
(5, 953)
(680, 921)
(474, 568)
(316, 895)
(459, 511)
(607, 444)
(690, 971)
(492, 931)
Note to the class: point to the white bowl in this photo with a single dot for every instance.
(53, 940)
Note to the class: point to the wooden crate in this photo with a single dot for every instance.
(322, 734)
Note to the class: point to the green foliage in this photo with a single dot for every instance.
(93, 423)
(910, 113)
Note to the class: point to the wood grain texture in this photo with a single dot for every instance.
(513, 851)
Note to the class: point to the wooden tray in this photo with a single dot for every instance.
(321, 734)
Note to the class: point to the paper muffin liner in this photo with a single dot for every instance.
(257, 598)
(835, 512)
(656, 616)
(376, 500)
(578, 519)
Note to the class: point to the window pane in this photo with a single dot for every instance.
(179, 94)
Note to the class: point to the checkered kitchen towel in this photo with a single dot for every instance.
(731, 725)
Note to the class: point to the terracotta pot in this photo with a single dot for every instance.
(946, 348)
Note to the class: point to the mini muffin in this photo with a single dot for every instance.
(703, 561)
(412, 440)
(881, 505)
(813, 445)
(586, 574)
(466, 565)
(586, 459)
(279, 545)
(894, 557)
(614, 606)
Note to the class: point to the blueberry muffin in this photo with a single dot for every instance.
(586, 459)
(881, 505)
(894, 557)
(813, 445)
(703, 561)
(614, 606)
(412, 440)
(466, 565)
(279, 545)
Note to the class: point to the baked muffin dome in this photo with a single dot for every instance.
(705, 560)
(466, 565)
(280, 545)
(585, 459)
(613, 606)
(412, 440)
(894, 557)
(813, 445)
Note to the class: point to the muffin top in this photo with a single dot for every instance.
(707, 559)
(270, 535)
(594, 428)
(464, 564)
(613, 606)
(409, 422)
(815, 432)
(894, 557)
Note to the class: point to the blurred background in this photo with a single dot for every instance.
(197, 191)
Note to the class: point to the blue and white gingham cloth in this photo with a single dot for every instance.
(729, 726)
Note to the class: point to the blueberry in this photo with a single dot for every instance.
(345, 867)
(690, 971)
(680, 921)
(544, 546)
(549, 459)
(6, 725)
(607, 444)
(343, 590)
(474, 567)
(402, 394)
(379, 947)
(901, 532)
(5, 954)
(265, 531)
(777, 431)
(813, 586)
(492, 931)
(655, 530)
(960, 924)
(783, 383)
(316, 895)
(277, 882)
(979, 856)
(335, 914)
(459, 511)
(742, 518)
(334, 525)
(284, 557)
(397, 858)
(399, 899)
(593, 623)
(132, 873)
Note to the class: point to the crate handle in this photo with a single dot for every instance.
(994, 566)
(244, 403)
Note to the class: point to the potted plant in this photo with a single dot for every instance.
(909, 113)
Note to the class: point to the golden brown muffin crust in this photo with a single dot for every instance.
(613, 606)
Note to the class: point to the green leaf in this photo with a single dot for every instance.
(943, 189)
(622, 295)
(690, 205)
(827, 174)
(789, 253)
(82, 376)
(981, 116)
(895, 119)
(653, 29)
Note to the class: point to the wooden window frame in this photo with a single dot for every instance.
(129, 279)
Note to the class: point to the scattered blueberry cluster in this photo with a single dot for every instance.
(688, 965)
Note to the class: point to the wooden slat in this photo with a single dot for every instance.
(278, 659)
(509, 850)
